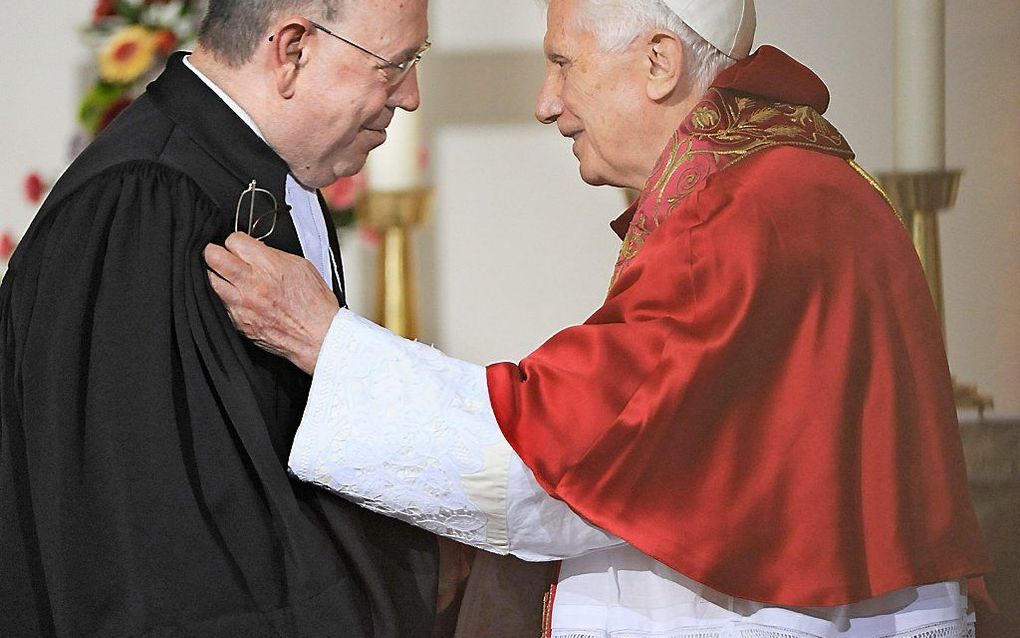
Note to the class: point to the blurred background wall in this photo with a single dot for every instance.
(519, 246)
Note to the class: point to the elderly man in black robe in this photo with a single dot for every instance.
(143, 446)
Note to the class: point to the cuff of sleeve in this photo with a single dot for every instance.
(403, 430)
(331, 357)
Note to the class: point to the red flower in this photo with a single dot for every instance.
(370, 235)
(104, 8)
(166, 42)
(35, 188)
(6, 246)
(344, 192)
(112, 112)
(125, 51)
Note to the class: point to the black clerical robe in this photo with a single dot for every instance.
(143, 442)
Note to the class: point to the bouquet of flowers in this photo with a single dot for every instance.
(132, 39)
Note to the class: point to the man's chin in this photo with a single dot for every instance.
(322, 179)
(374, 138)
(352, 166)
(592, 178)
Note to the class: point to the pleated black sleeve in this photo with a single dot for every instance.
(141, 485)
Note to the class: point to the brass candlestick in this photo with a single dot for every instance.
(393, 214)
(920, 197)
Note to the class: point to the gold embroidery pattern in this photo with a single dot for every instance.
(881, 191)
(635, 237)
(547, 606)
(724, 128)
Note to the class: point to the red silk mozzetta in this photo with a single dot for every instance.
(763, 402)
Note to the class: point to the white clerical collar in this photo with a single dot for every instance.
(234, 106)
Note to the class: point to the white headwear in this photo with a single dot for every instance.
(728, 25)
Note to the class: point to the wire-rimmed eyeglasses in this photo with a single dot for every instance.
(394, 71)
(262, 226)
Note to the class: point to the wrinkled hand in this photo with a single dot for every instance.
(276, 299)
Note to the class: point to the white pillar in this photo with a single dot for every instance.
(920, 95)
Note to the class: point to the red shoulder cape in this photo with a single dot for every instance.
(763, 402)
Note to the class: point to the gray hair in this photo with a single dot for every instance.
(615, 23)
(231, 29)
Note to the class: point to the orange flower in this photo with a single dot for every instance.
(127, 55)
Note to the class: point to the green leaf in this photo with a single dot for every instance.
(130, 9)
(95, 103)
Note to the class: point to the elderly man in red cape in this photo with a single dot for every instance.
(753, 436)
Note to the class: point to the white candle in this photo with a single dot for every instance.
(397, 164)
(920, 96)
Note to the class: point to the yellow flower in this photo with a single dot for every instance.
(127, 54)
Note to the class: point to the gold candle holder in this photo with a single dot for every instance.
(393, 214)
(920, 197)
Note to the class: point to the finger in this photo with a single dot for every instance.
(224, 290)
(252, 250)
(224, 263)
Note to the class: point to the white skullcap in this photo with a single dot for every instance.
(728, 25)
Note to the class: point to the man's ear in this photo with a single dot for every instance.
(665, 65)
(290, 51)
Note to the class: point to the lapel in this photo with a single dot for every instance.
(240, 155)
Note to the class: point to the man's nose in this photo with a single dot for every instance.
(406, 95)
(549, 105)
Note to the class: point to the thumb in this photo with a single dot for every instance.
(248, 248)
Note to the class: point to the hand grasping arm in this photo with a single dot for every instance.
(276, 299)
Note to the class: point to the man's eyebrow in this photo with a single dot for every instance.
(408, 53)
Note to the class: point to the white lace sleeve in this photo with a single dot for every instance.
(404, 430)
(394, 426)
